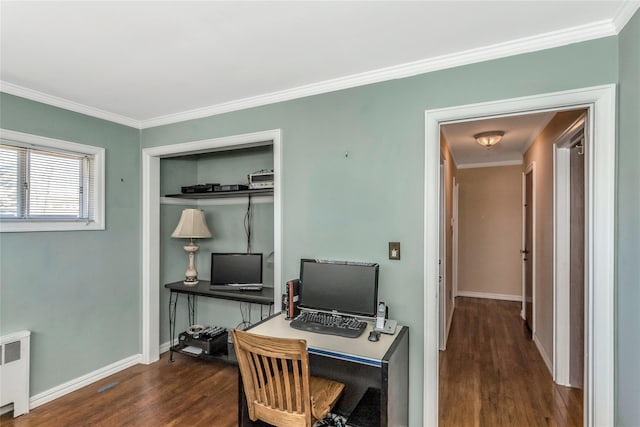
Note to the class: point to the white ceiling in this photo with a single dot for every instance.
(148, 63)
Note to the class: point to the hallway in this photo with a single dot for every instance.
(492, 374)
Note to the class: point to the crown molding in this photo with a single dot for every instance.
(539, 42)
(625, 13)
(490, 164)
(549, 40)
(66, 104)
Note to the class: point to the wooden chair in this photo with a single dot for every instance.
(277, 383)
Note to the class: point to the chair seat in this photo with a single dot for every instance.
(324, 394)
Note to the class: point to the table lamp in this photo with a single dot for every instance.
(192, 225)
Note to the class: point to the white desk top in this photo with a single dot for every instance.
(359, 349)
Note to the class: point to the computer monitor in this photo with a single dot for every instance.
(339, 286)
(234, 268)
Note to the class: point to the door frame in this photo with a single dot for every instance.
(562, 249)
(454, 245)
(150, 297)
(531, 168)
(442, 256)
(600, 202)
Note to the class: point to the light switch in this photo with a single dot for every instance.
(394, 250)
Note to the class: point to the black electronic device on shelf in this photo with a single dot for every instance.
(199, 188)
(229, 187)
(211, 340)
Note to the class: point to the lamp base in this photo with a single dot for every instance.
(191, 281)
(191, 276)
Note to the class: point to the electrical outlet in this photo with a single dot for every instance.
(394, 250)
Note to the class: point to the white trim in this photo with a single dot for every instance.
(256, 200)
(625, 13)
(548, 40)
(562, 252)
(56, 101)
(165, 346)
(545, 357)
(490, 295)
(84, 380)
(150, 257)
(490, 164)
(151, 220)
(599, 312)
(561, 271)
(604, 28)
(442, 255)
(98, 154)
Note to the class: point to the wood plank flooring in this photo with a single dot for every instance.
(188, 392)
(492, 374)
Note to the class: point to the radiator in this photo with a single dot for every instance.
(14, 371)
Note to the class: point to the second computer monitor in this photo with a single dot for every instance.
(236, 268)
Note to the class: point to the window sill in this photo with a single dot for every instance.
(22, 227)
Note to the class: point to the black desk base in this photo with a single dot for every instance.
(262, 297)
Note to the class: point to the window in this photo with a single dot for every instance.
(49, 185)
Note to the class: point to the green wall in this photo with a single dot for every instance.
(78, 292)
(349, 207)
(628, 228)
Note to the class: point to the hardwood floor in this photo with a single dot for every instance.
(490, 375)
(188, 392)
(493, 375)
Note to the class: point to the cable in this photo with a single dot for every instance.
(247, 224)
(246, 318)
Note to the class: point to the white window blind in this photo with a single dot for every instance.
(44, 183)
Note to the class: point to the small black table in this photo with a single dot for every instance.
(262, 297)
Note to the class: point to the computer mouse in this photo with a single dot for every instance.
(374, 336)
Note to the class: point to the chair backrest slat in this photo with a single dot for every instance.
(261, 394)
(287, 384)
(276, 364)
(298, 386)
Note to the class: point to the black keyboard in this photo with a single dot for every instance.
(330, 324)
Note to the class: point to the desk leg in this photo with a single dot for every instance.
(243, 410)
(173, 301)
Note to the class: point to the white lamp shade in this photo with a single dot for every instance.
(192, 225)
(489, 139)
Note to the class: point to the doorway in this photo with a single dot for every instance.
(151, 222)
(600, 170)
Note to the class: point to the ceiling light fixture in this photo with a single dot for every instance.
(489, 139)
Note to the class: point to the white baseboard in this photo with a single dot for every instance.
(165, 346)
(543, 353)
(77, 383)
(487, 295)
